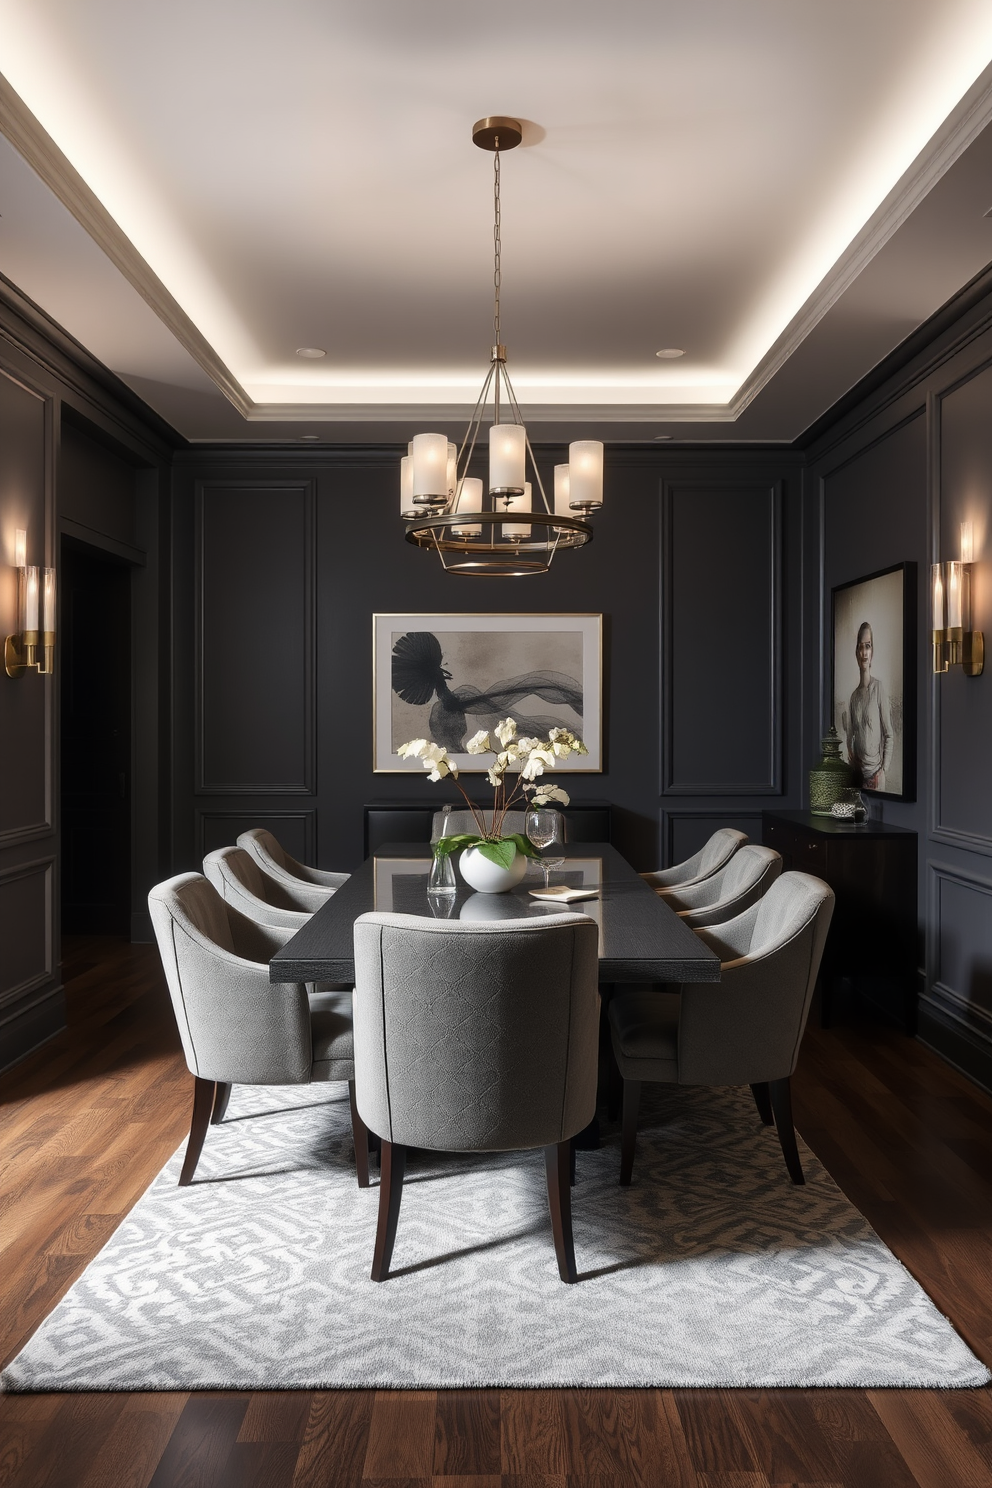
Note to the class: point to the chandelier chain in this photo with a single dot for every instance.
(497, 245)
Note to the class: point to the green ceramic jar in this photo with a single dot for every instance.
(830, 778)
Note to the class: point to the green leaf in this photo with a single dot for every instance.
(456, 843)
(524, 846)
(502, 853)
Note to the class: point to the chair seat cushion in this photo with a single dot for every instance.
(645, 1025)
(333, 1036)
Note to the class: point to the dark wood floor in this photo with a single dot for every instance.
(87, 1122)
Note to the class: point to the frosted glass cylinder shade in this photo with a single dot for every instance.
(585, 467)
(937, 596)
(562, 488)
(469, 500)
(30, 599)
(955, 591)
(20, 547)
(452, 469)
(507, 457)
(48, 601)
(518, 504)
(430, 465)
(407, 508)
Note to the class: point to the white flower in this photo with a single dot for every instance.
(479, 743)
(494, 776)
(413, 750)
(524, 746)
(545, 794)
(536, 762)
(506, 730)
(435, 759)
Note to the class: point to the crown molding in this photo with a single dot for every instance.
(43, 155)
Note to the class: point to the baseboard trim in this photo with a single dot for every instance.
(27, 1030)
(959, 1045)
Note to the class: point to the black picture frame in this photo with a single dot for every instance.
(885, 601)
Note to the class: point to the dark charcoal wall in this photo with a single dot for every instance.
(103, 487)
(892, 481)
(283, 557)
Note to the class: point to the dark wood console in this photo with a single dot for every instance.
(871, 868)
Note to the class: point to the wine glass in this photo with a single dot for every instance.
(542, 826)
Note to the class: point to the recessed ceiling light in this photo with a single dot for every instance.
(309, 436)
(310, 352)
(663, 436)
(669, 353)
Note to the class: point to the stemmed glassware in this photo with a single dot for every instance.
(542, 826)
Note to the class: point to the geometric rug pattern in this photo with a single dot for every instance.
(711, 1270)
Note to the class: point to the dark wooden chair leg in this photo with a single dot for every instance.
(360, 1133)
(628, 1138)
(221, 1098)
(614, 1086)
(780, 1092)
(392, 1166)
(571, 1164)
(763, 1101)
(203, 1104)
(557, 1162)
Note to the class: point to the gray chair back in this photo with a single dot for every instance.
(239, 879)
(714, 853)
(236, 1026)
(274, 860)
(476, 1036)
(747, 1029)
(733, 888)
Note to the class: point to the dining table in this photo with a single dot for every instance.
(641, 938)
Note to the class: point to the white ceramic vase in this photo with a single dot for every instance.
(489, 878)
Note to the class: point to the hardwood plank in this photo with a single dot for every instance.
(401, 1435)
(935, 1448)
(335, 1439)
(259, 1464)
(276, 1415)
(784, 1435)
(132, 1450)
(73, 1434)
(715, 1438)
(24, 1419)
(466, 1434)
(201, 1442)
(532, 1435)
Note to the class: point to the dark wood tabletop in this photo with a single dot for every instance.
(640, 938)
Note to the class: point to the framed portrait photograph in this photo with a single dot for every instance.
(873, 679)
(445, 677)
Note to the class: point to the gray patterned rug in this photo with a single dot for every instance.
(711, 1270)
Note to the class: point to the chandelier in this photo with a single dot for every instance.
(510, 528)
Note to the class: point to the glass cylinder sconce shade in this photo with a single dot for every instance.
(32, 644)
(954, 641)
(407, 508)
(562, 488)
(507, 458)
(585, 475)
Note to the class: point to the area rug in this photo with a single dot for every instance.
(711, 1270)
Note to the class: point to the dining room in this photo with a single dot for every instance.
(735, 663)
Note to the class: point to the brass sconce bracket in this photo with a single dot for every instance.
(19, 655)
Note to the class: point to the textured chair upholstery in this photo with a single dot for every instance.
(711, 856)
(239, 879)
(311, 887)
(476, 1037)
(237, 1027)
(744, 1030)
(730, 890)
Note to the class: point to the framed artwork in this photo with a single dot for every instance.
(444, 677)
(873, 679)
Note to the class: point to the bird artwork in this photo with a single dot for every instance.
(419, 674)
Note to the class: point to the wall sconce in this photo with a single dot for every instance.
(27, 646)
(954, 641)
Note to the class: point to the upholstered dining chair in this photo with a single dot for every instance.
(311, 887)
(476, 1037)
(711, 856)
(733, 888)
(744, 1029)
(239, 879)
(237, 1027)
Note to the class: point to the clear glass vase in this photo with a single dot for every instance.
(441, 878)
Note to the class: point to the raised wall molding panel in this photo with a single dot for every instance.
(721, 639)
(27, 918)
(296, 830)
(255, 627)
(959, 948)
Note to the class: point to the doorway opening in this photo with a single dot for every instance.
(95, 698)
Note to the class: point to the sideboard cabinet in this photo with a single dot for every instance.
(871, 868)
(407, 821)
